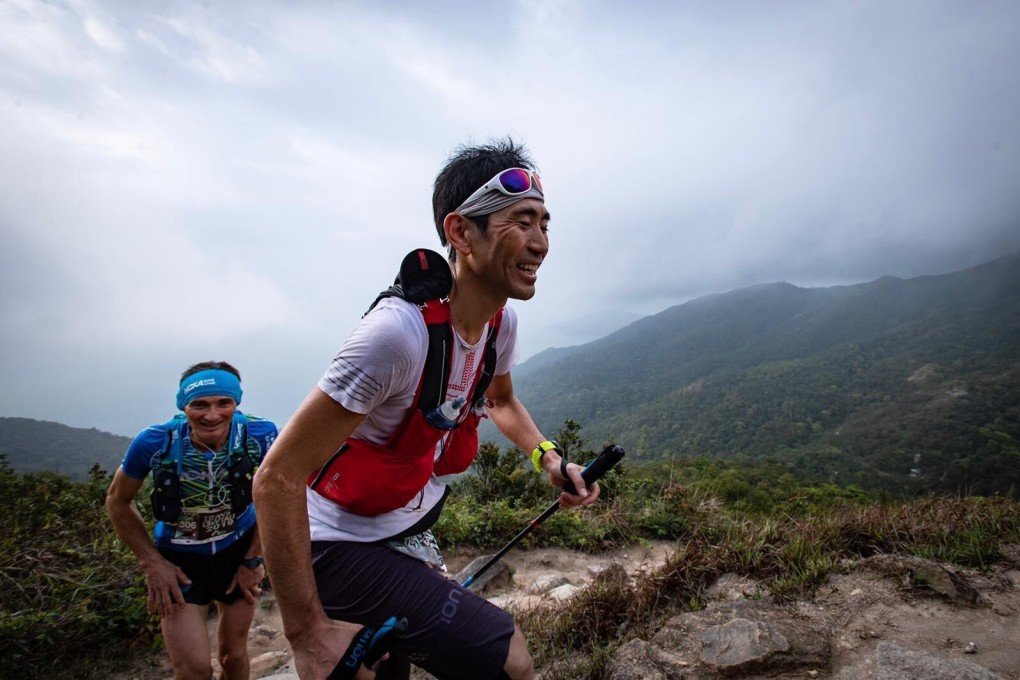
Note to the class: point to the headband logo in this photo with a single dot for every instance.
(199, 383)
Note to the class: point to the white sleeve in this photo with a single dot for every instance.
(507, 353)
(383, 358)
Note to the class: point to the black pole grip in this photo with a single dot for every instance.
(593, 472)
(367, 647)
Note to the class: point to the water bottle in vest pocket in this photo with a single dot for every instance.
(461, 447)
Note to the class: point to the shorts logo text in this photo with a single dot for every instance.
(450, 607)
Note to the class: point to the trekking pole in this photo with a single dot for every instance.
(610, 456)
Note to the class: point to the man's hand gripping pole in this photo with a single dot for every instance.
(610, 456)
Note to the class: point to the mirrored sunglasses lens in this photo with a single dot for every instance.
(537, 182)
(515, 180)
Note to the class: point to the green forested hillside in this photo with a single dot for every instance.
(38, 445)
(900, 384)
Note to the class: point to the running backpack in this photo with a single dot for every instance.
(371, 479)
(166, 488)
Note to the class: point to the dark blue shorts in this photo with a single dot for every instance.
(452, 632)
(210, 574)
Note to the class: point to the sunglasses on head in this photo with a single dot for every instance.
(510, 182)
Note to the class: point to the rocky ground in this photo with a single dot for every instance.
(885, 618)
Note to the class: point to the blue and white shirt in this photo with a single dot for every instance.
(207, 524)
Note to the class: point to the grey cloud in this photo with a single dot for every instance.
(148, 150)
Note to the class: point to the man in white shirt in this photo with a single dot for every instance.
(347, 494)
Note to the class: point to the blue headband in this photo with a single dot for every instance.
(213, 382)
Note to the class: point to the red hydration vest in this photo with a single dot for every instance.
(371, 479)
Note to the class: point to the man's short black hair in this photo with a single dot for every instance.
(468, 169)
(207, 365)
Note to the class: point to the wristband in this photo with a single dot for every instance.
(542, 449)
(252, 562)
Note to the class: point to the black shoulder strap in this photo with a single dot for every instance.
(425, 275)
(436, 374)
(489, 360)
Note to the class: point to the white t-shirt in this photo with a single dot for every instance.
(377, 372)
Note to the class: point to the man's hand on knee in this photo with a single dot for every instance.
(164, 581)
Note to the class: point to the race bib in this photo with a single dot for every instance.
(203, 526)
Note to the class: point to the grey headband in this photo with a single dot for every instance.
(494, 200)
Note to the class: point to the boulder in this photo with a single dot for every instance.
(497, 577)
(895, 663)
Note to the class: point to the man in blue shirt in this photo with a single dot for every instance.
(205, 544)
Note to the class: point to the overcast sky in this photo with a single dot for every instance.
(182, 181)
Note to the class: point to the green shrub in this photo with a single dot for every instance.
(73, 599)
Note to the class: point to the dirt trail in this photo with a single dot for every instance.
(873, 607)
(269, 650)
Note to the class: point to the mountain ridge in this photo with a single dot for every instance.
(32, 445)
(781, 372)
(894, 383)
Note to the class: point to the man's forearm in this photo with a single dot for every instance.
(130, 527)
(284, 534)
(514, 421)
